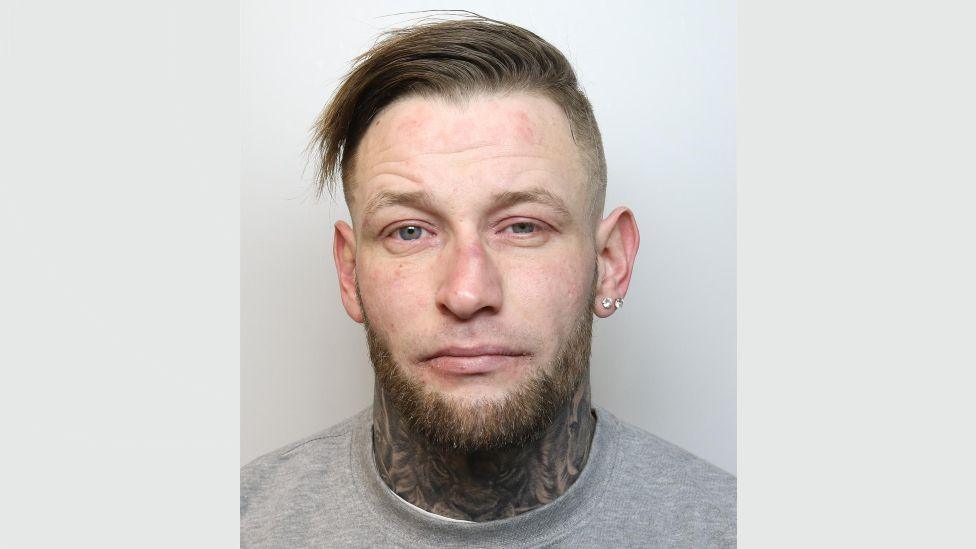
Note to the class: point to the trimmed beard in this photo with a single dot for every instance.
(487, 424)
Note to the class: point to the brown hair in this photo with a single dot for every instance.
(452, 59)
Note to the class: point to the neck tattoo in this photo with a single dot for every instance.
(486, 484)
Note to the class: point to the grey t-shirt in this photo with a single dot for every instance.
(635, 491)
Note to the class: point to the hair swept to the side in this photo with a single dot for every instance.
(453, 58)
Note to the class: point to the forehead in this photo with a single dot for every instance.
(481, 143)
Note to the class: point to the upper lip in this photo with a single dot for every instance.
(480, 350)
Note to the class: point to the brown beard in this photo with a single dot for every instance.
(521, 416)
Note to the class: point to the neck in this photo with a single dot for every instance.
(486, 484)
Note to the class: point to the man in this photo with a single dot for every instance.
(476, 258)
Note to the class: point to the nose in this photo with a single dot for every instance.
(470, 281)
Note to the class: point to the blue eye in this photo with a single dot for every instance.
(523, 227)
(410, 232)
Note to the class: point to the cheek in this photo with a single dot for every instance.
(548, 290)
(393, 292)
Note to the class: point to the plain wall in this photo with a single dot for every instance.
(661, 77)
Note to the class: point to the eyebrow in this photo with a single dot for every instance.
(537, 195)
(423, 200)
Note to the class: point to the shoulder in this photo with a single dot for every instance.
(666, 461)
(683, 489)
(280, 469)
(300, 449)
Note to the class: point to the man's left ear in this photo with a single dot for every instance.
(617, 240)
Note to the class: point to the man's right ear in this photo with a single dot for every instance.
(344, 252)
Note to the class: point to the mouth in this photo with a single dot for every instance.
(473, 360)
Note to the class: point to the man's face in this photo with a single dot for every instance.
(475, 263)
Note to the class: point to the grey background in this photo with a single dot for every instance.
(661, 77)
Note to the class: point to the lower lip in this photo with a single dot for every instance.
(470, 365)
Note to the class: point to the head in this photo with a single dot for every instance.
(477, 253)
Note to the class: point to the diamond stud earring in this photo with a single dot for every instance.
(618, 303)
(607, 302)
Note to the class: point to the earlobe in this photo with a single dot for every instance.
(344, 253)
(607, 305)
(616, 244)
